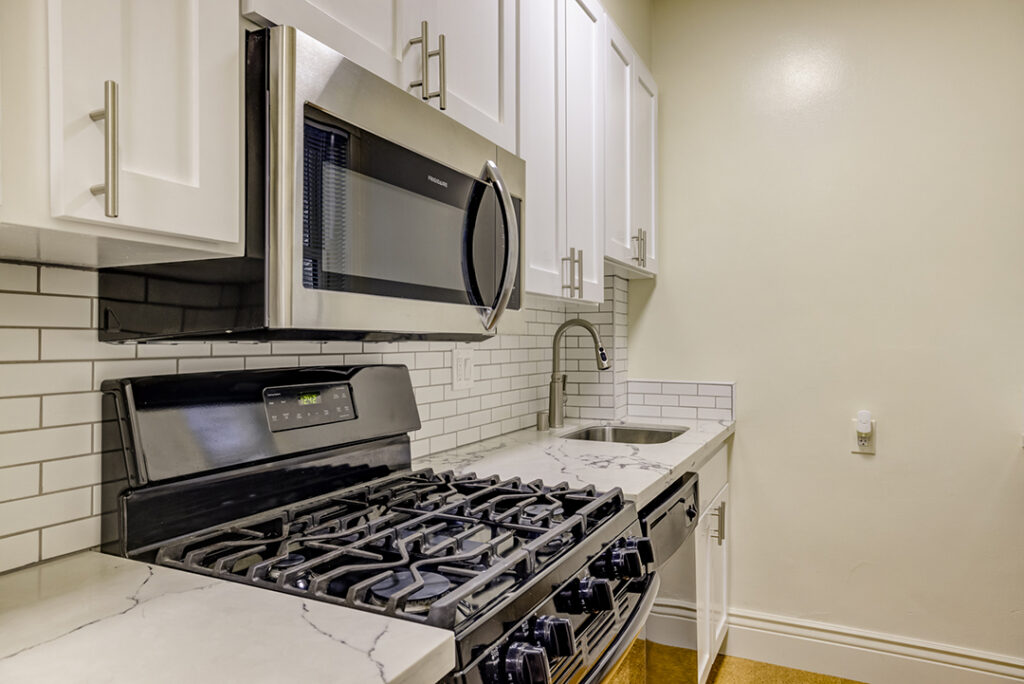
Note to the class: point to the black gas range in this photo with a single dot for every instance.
(300, 481)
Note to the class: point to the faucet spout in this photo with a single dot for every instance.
(556, 389)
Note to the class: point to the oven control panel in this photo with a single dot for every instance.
(298, 406)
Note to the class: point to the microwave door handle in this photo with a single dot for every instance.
(493, 175)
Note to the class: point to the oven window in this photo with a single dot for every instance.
(380, 219)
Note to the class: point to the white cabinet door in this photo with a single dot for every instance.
(584, 140)
(618, 104)
(645, 161)
(480, 65)
(480, 49)
(712, 582)
(178, 72)
(366, 31)
(541, 136)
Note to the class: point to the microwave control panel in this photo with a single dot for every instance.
(299, 406)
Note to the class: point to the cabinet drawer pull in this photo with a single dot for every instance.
(111, 163)
(426, 53)
(579, 272)
(719, 534)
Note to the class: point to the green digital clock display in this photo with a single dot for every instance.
(309, 398)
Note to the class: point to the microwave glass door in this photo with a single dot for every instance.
(380, 219)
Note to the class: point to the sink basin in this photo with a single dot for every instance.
(627, 434)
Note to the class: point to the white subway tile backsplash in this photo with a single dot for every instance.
(214, 363)
(54, 363)
(715, 390)
(68, 473)
(47, 509)
(165, 350)
(67, 281)
(68, 409)
(18, 379)
(21, 413)
(42, 445)
(19, 481)
(21, 549)
(34, 311)
(111, 370)
(19, 277)
(72, 536)
(19, 344)
(68, 345)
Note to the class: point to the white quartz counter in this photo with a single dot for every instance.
(98, 618)
(642, 471)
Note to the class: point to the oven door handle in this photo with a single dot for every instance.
(508, 212)
(606, 663)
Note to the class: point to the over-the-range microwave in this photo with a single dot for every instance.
(369, 215)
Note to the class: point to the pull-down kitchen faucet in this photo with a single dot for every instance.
(556, 389)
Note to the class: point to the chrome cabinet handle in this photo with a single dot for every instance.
(442, 73)
(643, 243)
(424, 83)
(111, 163)
(579, 271)
(720, 533)
(572, 272)
(638, 239)
(508, 212)
(425, 54)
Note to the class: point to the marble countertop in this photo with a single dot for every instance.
(642, 471)
(92, 617)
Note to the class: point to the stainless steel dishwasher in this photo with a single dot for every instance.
(670, 521)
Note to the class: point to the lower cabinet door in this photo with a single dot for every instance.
(712, 582)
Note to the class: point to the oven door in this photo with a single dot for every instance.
(386, 217)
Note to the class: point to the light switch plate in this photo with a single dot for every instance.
(462, 368)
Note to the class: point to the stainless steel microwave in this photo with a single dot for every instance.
(369, 215)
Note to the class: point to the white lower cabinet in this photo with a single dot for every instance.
(712, 582)
(694, 594)
(561, 137)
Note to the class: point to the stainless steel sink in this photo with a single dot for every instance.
(627, 434)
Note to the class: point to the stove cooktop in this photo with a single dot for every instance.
(437, 548)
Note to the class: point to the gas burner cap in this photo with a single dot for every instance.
(434, 585)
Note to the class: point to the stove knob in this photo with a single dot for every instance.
(643, 546)
(555, 635)
(619, 563)
(526, 664)
(596, 595)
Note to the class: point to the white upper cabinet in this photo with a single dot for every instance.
(630, 139)
(541, 139)
(561, 123)
(584, 143)
(479, 57)
(644, 181)
(619, 60)
(168, 145)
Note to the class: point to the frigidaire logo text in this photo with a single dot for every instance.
(442, 183)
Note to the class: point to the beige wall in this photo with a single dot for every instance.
(842, 226)
(633, 17)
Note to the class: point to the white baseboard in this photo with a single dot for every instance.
(872, 657)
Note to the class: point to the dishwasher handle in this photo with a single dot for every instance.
(671, 517)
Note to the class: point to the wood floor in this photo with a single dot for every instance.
(651, 663)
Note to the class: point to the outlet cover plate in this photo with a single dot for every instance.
(462, 368)
(866, 446)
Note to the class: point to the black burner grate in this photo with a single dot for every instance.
(437, 548)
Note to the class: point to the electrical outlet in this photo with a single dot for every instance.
(863, 443)
(462, 368)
